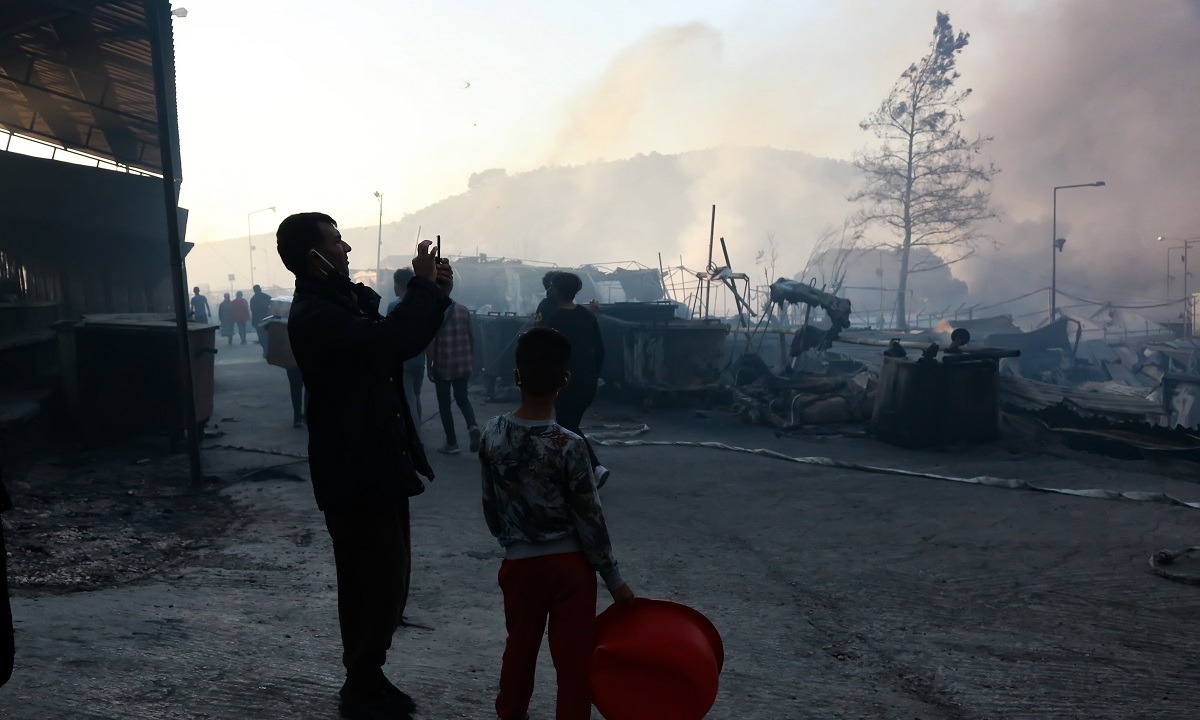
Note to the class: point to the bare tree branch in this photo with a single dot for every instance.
(832, 256)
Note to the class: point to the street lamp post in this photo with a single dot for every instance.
(1187, 301)
(250, 238)
(1056, 243)
(1169, 278)
(379, 244)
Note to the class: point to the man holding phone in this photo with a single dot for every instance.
(365, 456)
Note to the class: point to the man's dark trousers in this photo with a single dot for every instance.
(373, 554)
(570, 405)
(459, 385)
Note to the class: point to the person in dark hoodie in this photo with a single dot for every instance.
(365, 456)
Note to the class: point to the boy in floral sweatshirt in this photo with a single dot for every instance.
(541, 502)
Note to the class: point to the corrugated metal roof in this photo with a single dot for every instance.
(1098, 398)
(79, 73)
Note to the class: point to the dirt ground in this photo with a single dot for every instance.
(839, 594)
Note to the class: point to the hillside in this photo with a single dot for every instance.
(629, 209)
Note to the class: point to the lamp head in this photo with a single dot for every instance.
(1058, 244)
(378, 194)
(1098, 183)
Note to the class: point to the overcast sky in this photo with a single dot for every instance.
(317, 104)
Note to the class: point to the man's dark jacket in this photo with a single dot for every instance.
(260, 305)
(363, 448)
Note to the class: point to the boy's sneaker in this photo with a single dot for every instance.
(473, 431)
(602, 474)
(449, 449)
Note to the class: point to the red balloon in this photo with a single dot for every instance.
(656, 660)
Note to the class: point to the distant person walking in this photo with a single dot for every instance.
(200, 311)
(260, 305)
(240, 313)
(582, 329)
(451, 360)
(547, 305)
(225, 317)
(412, 373)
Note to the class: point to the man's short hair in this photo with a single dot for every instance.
(548, 278)
(257, 288)
(298, 234)
(542, 355)
(567, 285)
(402, 276)
(239, 293)
(196, 289)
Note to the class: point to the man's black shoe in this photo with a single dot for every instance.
(376, 706)
(397, 696)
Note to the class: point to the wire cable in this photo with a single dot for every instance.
(985, 480)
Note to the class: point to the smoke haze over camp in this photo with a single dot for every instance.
(753, 107)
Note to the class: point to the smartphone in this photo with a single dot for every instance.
(328, 267)
(439, 248)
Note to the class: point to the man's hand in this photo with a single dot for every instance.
(594, 305)
(425, 263)
(623, 595)
(445, 277)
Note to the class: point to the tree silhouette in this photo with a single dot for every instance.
(924, 180)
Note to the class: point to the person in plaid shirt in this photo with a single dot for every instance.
(451, 360)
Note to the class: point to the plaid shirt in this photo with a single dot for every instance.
(451, 355)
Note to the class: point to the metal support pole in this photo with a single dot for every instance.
(662, 274)
(1168, 295)
(379, 245)
(712, 228)
(1054, 242)
(1054, 255)
(250, 247)
(158, 20)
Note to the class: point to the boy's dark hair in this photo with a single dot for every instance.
(567, 285)
(542, 356)
(257, 288)
(298, 234)
(548, 278)
(402, 276)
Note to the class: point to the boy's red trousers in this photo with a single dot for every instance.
(562, 589)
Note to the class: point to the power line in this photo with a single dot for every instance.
(1019, 297)
(1121, 307)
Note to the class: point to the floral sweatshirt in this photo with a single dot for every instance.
(539, 495)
